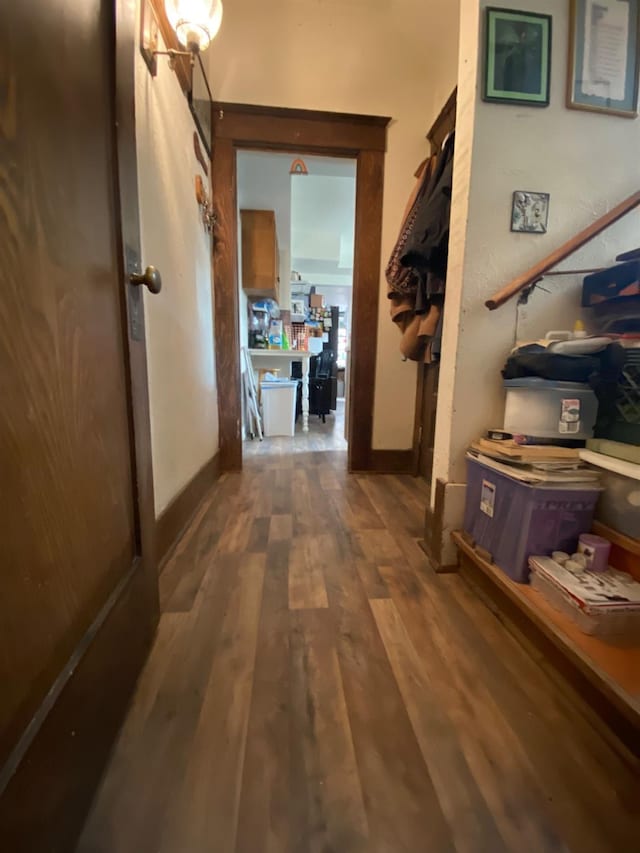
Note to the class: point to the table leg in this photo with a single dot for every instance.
(305, 395)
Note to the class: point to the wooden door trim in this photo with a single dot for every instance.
(443, 125)
(418, 425)
(176, 517)
(392, 462)
(239, 126)
(250, 125)
(71, 733)
(128, 215)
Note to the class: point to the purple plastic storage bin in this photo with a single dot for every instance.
(512, 520)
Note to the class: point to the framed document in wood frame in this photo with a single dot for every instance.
(604, 56)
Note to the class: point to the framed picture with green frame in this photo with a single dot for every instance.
(517, 66)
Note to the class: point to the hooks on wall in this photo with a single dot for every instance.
(209, 217)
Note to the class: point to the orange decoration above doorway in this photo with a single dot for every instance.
(298, 167)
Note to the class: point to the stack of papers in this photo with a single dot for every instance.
(534, 463)
(610, 589)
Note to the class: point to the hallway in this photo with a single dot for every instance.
(327, 436)
(314, 686)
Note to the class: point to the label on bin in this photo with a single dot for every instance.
(487, 498)
(569, 417)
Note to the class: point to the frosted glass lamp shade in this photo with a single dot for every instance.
(196, 22)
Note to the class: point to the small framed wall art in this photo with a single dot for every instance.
(604, 56)
(517, 67)
(530, 212)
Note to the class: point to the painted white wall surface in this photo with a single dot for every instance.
(264, 183)
(587, 162)
(361, 56)
(179, 320)
(323, 209)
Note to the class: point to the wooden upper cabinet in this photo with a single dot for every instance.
(260, 258)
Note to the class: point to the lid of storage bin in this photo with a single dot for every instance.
(535, 383)
(610, 463)
(279, 383)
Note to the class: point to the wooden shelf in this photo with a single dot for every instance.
(613, 670)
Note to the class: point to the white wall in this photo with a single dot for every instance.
(588, 163)
(264, 183)
(363, 56)
(323, 209)
(179, 320)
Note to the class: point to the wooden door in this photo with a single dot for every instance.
(78, 603)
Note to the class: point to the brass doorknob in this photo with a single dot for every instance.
(151, 279)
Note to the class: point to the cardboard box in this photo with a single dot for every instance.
(316, 300)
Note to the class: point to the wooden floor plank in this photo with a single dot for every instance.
(267, 820)
(378, 546)
(203, 816)
(371, 579)
(235, 537)
(181, 575)
(401, 802)
(336, 818)
(503, 764)
(471, 822)
(306, 579)
(397, 515)
(155, 743)
(259, 535)
(505, 784)
(354, 507)
(281, 528)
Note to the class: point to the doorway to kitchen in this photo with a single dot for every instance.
(302, 134)
(296, 221)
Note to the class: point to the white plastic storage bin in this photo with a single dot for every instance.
(279, 407)
(619, 504)
(541, 408)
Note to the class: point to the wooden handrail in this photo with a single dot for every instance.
(537, 272)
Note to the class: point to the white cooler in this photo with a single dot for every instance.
(542, 408)
(279, 407)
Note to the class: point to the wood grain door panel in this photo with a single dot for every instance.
(67, 517)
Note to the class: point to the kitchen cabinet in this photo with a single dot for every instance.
(260, 257)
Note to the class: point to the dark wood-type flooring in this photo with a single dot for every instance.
(314, 686)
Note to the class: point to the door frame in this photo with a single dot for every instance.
(70, 735)
(428, 374)
(363, 138)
